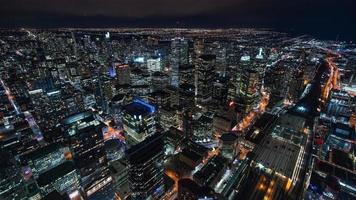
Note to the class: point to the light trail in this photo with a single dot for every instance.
(28, 116)
(249, 118)
(333, 81)
(10, 97)
(174, 176)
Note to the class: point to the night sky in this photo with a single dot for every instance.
(323, 18)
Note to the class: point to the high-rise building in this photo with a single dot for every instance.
(248, 90)
(154, 64)
(139, 121)
(247, 86)
(187, 95)
(146, 150)
(159, 81)
(187, 124)
(160, 99)
(228, 145)
(220, 90)
(205, 66)
(145, 168)
(174, 96)
(179, 56)
(85, 138)
(123, 74)
(186, 74)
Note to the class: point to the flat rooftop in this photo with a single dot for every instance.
(278, 155)
(139, 107)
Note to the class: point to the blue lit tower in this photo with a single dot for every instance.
(146, 150)
(139, 121)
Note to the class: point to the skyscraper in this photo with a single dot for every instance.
(85, 139)
(179, 56)
(247, 85)
(123, 74)
(204, 79)
(154, 64)
(146, 150)
(247, 90)
(145, 168)
(139, 121)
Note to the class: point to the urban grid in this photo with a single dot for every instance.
(176, 114)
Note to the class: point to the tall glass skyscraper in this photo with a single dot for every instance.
(145, 168)
(179, 56)
(85, 139)
(145, 153)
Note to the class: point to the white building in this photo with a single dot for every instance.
(154, 64)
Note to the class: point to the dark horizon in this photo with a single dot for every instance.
(323, 19)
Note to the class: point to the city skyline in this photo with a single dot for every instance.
(177, 100)
(325, 19)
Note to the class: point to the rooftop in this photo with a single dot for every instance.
(55, 173)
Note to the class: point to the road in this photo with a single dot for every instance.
(28, 116)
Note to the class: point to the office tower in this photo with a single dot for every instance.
(186, 74)
(220, 90)
(160, 98)
(179, 56)
(154, 64)
(247, 90)
(228, 145)
(198, 48)
(112, 71)
(123, 74)
(247, 85)
(139, 77)
(187, 95)
(205, 66)
(145, 153)
(174, 96)
(85, 139)
(145, 168)
(159, 81)
(139, 121)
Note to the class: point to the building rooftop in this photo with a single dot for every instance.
(139, 153)
(278, 155)
(40, 152)
(228, 137)
(139, 107)
(192, 155)
(207, 57)
(210, 171)
(55, 173)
